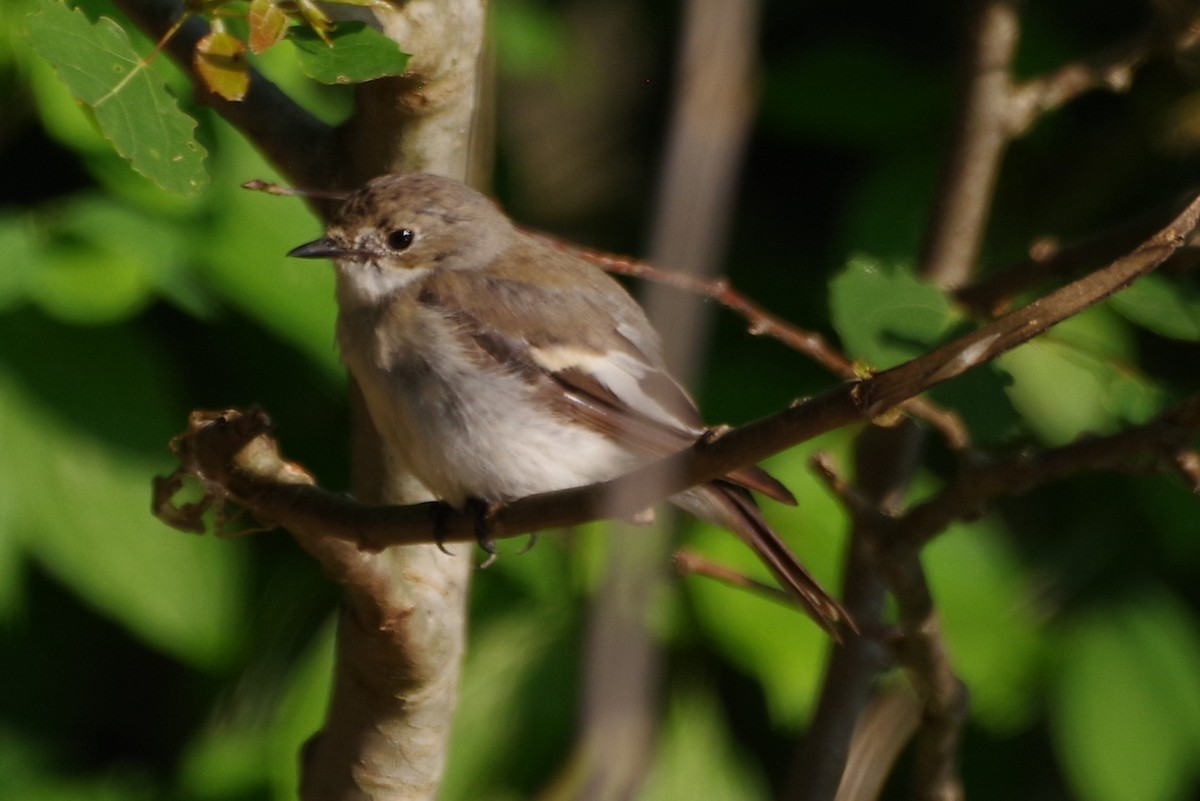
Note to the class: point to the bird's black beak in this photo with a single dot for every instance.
(323, 248)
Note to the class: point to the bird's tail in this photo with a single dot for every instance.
(733, 508)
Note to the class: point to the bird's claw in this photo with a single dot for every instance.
(440, 512)
(482, 513)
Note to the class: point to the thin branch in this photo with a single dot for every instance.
(402, 631)
(690, 563)
(880, 736)
(968, 178)
(1050, 262)
(994, 112)
(1111, 69)
(761, 322)
(1022, 325)
(949, 253)
(921, 650)
(885, 462)
(1158, 445)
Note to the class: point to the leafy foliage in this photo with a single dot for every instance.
(1071, 612)
(354, 53)
(1166, 307)
(133, 107)
(1124, 714)
(135, 112)
(886, 315)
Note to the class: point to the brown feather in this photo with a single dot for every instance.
(737, 511)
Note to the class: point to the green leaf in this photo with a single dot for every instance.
(358, 53)
(303, 707)
(989, 621)
(885, 314)
(82, 284)
(77, 485)
(243, 256)
(1075, 379)
(132, 107)
(494, 687)
(531, 39)
(226, 760)
(1161, 305)
(100, 261)
(1123, 712)
(981, 399)
(18, 243)
(694, 726)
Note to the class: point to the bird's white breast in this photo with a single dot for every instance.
(462, 429)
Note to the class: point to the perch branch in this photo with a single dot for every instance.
(233, 451)
(402, 630)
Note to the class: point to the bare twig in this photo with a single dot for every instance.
(1111, 69)
(881, 734)
(921, 650)
(690, 563)
(1158, 445)
(885, 461)
(1020, 326)
(959, 218)
(279, 190)
(1050, 262)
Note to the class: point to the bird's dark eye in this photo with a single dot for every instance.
(400, 238)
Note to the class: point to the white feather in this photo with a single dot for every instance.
(621, 372)
(463, 430)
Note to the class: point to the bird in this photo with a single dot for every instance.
(495, 366)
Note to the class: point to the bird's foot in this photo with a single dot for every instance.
(483, 515)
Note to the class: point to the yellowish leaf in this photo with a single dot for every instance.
(321, 24)
(268, 24)
(221, 61)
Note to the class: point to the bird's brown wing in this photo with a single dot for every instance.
(606, 380)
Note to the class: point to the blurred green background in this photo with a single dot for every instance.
(139, 662)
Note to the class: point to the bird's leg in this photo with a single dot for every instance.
(529, 545)
(441, 511)
(483, 512)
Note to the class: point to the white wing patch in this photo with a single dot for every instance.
(620, 372)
